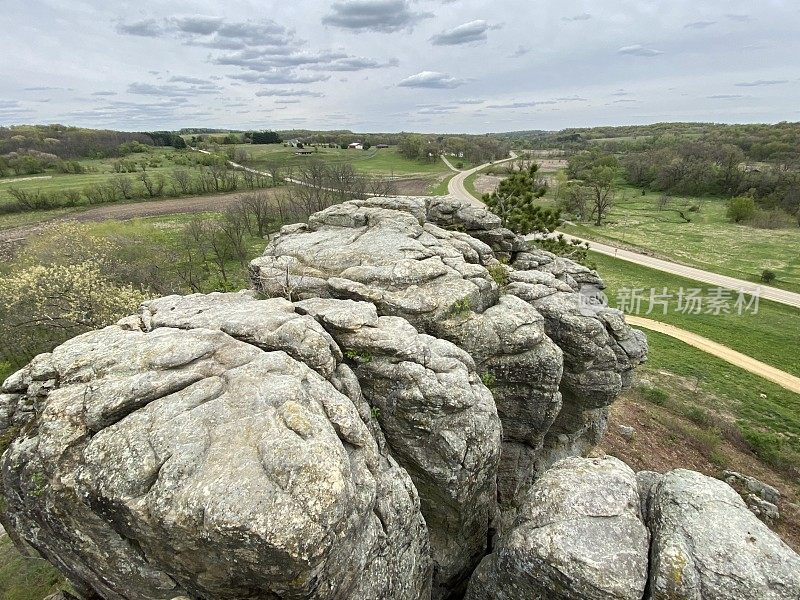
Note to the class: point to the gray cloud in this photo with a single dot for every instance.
(146, 28)
(280, 77)
(198, 25)
(435, 110)
(639, 50)
(431, 79)
(383, 16)
(699, 24)
(190, 80)
(514, 105)
(352, 63)
(147, 89)
(468, 33)
(761, 82)
(236, 51)
(285, 93)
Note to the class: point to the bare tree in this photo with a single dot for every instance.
(124, 185)
(259, 208)
(181, 181)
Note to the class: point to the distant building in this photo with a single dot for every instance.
(382, 146)
(355, 146)
(293, 143)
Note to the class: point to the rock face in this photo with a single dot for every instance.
(707, 544)
(168, 458)
(760, 497)
(406, 404)
(578, 535)
(439, 420)
(522, 324)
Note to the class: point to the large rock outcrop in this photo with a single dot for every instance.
(193, 451)
(523, 327)
(578, 535)
(708, 544)
(406, 404)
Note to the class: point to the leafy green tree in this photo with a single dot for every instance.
(741, 208)
(598, 172)
(514, 202)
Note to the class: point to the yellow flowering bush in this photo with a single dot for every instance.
(44, 305)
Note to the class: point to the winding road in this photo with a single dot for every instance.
(456, 188)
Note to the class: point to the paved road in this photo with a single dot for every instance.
(456, 188)
(783, 379)
(763, 291)
(456, 185)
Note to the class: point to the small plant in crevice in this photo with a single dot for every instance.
(375, 412)
(500, 274)
(461, 307)
(360, 356)
(488, 380)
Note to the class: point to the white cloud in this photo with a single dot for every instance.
(639, 50)
(431, 79)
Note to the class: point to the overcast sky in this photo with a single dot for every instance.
(389, 65)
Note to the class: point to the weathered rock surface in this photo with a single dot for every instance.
(578, 535)
(760, 497)
(707, 544)
(167, 462)
(553, 370)
(439, 420)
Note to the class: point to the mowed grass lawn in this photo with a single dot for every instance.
(383, 161)
(709, 242)
(771, 335)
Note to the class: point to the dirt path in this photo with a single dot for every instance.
(783, 379)
(25, 179)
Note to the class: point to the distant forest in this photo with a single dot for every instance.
(758, 142)
(76, 142)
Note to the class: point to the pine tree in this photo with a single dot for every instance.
(514, 202)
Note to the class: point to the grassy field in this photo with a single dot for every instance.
(770, 336)
(24, 578)
(159, 161)
(440, 188)
(708, 242)
(756, 404)
(697, 412)
(384, 161)
(766, 415)
(11, 220)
